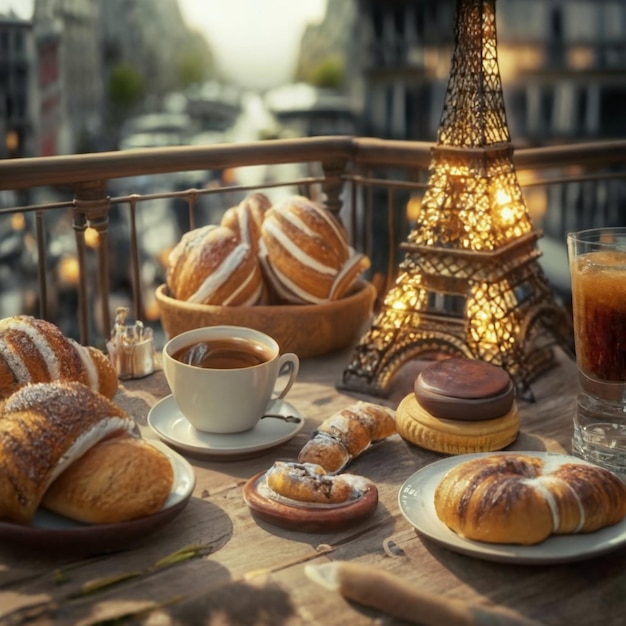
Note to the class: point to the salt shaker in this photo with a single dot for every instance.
(130, 347)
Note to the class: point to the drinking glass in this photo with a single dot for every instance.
(597, 259)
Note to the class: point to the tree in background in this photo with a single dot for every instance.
(328, 74)
(125, 92)
(194, 65)
(126, 86)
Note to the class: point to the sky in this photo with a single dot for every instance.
(23, 8)
(255, 42)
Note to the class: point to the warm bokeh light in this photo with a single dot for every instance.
(92, 239)
(18, 221)
(68, 271)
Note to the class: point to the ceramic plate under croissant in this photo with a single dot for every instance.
(416, 501)
(54, 535)
(306, 329)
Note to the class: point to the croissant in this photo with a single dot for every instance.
(521, 499)
(346, 434)
(44, 427)
(36, 351)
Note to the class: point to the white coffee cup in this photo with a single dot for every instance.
(233, 387)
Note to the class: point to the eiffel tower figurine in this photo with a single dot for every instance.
(470, 284)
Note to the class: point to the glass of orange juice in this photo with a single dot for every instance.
(597, 259)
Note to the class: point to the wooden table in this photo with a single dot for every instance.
(243, 571)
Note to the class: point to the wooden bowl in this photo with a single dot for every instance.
(306, 329)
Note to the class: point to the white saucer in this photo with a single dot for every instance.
(168, 422)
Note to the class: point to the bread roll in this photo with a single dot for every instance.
(44, 427)
(521, 499)
(246, 219)
(306, 256)
(117, 480)
(346, 434)
(209, 265)
(36, 351)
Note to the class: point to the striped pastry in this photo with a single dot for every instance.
(35, 351)
(209, 265)
(346, 434)
(44, 427)
(305, 253)
(246, 219)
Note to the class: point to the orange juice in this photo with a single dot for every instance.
(599, 307)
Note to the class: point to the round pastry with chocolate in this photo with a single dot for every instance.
(460, 406)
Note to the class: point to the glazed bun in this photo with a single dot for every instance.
(108, 483)
(246, 219)
(44, 428)
(210, 265)
(521, 499)
(305, 253)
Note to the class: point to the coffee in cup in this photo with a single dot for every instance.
(224, 353)
(223, 377)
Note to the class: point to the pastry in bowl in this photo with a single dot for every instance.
(246, 219)
(251, 270)
(305, 253)
(210, 265)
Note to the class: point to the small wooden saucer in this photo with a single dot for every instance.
(308, 518)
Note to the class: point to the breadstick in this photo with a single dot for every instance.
(378, 589)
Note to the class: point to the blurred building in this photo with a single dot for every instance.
(50, 79)
(562, 62)
(69, 71)
(563, 70)
(17, 87)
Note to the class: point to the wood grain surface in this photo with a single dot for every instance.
(217, 564)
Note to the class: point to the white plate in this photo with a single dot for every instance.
(52, 534)
(416, 500)
(167, 421)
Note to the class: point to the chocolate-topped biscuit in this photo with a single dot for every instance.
(464, 389)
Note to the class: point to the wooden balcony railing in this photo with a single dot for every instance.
(92, 224)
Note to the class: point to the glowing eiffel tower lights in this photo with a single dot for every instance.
(470, 283)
